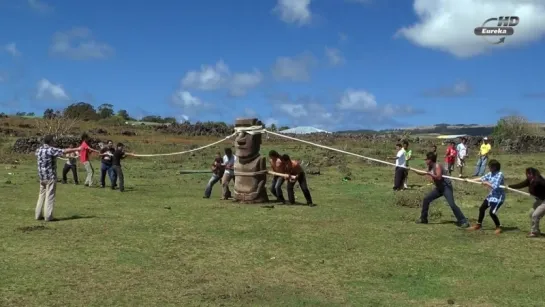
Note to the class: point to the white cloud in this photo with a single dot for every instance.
(294, 11)
(334, 56)
(294, 110)
(357, 100)
(48, 90)
(293, 68)
(79, 44)
(185, 99)
(460, 88)
(11, 48)
(39, 6)
(182, 118)
(448, 25)
(219, 76)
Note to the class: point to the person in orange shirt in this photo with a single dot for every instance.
(278, 167)
(295, 173)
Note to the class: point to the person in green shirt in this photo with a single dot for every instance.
(408, 157)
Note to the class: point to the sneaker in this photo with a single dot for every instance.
(464, 225)
(421, 221)
(498, 230)
(405, 186)
(475, 227)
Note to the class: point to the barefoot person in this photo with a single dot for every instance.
(85, 152)
(295, 173)
(536, 187)
(278, 167)
(493, 180)
(217, 173)
(408, 157)
(47, 172)
(443, 187)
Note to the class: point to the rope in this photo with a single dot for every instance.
(384, 162)
(251, 130)
(186, 151)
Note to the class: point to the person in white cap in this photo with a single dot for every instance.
(484, 151)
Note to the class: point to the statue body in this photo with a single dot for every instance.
(249, 188)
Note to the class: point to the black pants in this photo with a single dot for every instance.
(493, 209)
(66, 169)
(399, 178)
(448, 193)
(118, 174)
(276, 187)
(302, 180)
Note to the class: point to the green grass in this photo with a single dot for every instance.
(161, 244)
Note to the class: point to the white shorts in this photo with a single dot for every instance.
(460, 162)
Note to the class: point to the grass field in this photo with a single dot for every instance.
(161, 244)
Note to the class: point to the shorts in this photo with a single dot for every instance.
(494, 207)
(460, 162)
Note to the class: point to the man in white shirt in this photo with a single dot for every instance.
(461, 149)
(229, 164)
(400, 160)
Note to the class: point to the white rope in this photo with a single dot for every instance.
(384, 162)
(186, 151)
(251, 130)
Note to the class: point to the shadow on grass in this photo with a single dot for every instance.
(74, 217)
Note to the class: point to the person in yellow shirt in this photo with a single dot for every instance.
(482, 161)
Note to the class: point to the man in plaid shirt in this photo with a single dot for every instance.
(493, 180)
(47, 173)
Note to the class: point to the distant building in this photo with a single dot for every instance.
(303, 130)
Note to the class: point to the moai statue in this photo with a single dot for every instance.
(249, 188)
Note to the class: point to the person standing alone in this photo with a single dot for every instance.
(85, 152)
(47, 173)
(483, 157)
(399, 175)
(461, 156)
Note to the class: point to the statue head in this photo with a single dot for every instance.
(247, 145)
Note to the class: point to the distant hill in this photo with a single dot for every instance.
(469, 129)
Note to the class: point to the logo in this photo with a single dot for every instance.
(504, 27)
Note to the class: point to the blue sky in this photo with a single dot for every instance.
(333, 64)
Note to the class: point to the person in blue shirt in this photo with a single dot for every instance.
(493, 180)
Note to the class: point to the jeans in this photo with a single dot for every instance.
(480, 168)
(66, 169)
(106, 168)
(213, 180)
(448, 193)
(302, 180)
(276, 187)
(117, 173)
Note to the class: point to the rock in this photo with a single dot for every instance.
(100, 131)
(128, 133)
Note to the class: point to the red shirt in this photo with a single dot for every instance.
(84, 152)
(451, 155)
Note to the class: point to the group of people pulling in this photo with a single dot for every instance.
(493, 180)
(47, 156)
(283, 167)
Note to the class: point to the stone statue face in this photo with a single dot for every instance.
(247, 145)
